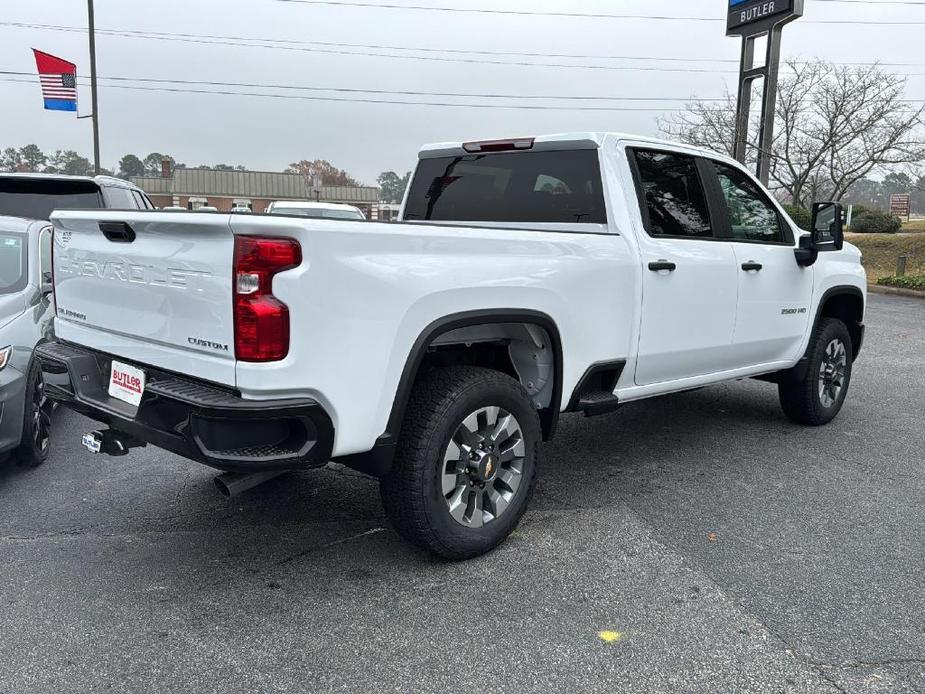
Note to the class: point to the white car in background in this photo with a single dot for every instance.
(315, 210)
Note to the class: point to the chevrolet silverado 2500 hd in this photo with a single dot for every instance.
(525, 278)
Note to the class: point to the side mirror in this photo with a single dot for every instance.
(827, 230)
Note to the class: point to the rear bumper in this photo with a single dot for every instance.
(198, 420)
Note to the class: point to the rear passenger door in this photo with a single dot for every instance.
(774, 292)
(689, 274)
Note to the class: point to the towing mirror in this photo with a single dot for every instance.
(827, 231)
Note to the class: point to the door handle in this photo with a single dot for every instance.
(751, 265)
(662, 265)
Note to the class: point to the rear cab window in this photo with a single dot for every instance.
(562, 186)
(36, 198)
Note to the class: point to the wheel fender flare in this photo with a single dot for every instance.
(378, 460)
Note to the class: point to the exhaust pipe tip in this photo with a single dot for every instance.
(231, 484)
(222, 485)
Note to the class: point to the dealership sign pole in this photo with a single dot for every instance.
(752, 19)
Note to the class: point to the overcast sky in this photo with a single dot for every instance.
(366, 138)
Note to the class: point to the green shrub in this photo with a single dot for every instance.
(873, 222)
(905, 282)
(800, 215)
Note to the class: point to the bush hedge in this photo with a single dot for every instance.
(800, 215)
(858, 210)
(905, 282)
(873, 222)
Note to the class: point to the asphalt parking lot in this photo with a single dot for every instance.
(729, 550)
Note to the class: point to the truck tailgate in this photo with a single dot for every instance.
(153, 287)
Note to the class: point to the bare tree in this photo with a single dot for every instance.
(835, 124)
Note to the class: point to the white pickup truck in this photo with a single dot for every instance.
(525, 278)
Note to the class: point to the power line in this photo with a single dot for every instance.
(7, 76)
(209, 39)
(519, 13)
(422, 49)
(918, 3)
(581, 15)
(247, 43)
(528, 107)
(392, 92)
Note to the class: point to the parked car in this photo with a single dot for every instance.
(26, 313)
(529, 277)
(315, 210)
(34, 196)
(26, 310)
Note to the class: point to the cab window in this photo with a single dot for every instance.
(671, 194)
(141, 200)
(45, 254)
(752, 217)
(13, 269)
(119, 198)
(562, 186)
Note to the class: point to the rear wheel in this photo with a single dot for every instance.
(818, 397)
(36, 428)
(466, 462)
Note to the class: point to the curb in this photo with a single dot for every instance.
(895, 291)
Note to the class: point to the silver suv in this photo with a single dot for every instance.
(26, 313)
(26, 304)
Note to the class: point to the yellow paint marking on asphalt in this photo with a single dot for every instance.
(610, 636)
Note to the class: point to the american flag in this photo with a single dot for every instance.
(59, 81)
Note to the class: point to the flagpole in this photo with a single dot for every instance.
(94, 106)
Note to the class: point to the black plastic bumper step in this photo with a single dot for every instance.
(598, 402)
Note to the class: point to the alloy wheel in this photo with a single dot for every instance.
(41, 416)
(483, 466)
(832, 372)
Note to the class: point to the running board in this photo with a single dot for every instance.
(597, 403)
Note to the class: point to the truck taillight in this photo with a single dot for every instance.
(261, 321)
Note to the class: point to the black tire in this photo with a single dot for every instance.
(412, 492)
(36, 426)
(803, 401)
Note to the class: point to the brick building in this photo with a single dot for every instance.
(195, 188)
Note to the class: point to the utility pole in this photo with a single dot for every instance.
(95, 106)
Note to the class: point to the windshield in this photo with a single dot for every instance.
(519, 187)
(13, 274)
(37, 198)
(318, 213)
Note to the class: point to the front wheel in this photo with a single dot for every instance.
(818, 397)
(36, 428)
(466, 462)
